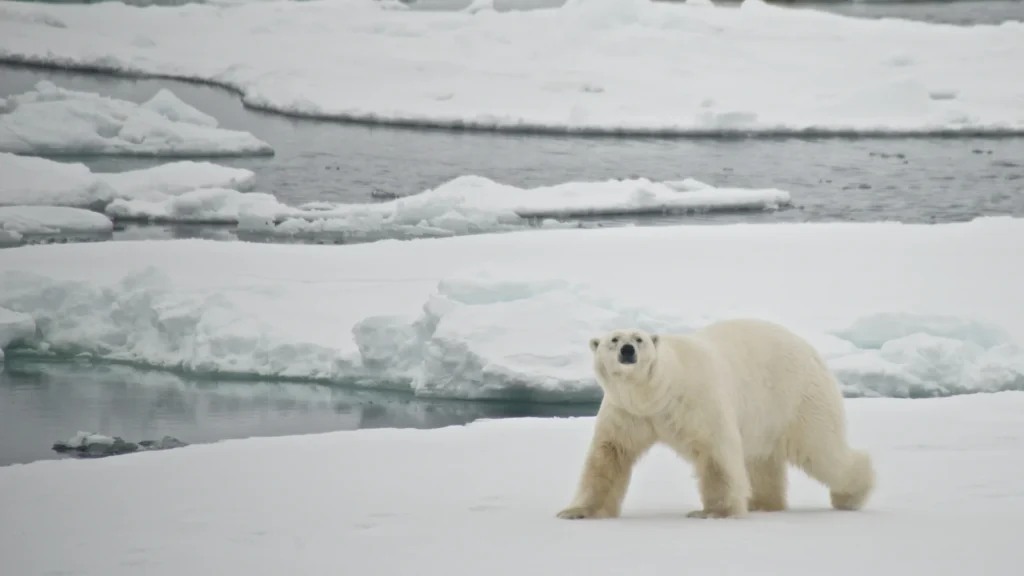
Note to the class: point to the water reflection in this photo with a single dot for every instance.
(42, 402)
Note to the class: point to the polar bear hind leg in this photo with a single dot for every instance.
(818, 446)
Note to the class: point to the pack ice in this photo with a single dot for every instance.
(586, 66)
(56, 121)
(897, 309)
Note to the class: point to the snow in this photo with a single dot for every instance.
(85, 438)
(16, 222)
(175, 178)
(477, 204)
(462, 205)
(598, 66)
(53, 120)
(481, 499)
(203, 205)
(203, 192)
(30, 180)
(897, 309)
(38, 181)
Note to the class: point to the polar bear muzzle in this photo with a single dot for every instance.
(627, 354)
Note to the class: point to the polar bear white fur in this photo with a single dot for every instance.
(737, 399)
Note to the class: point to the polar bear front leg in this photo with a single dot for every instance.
(620, 439)
(723, 481)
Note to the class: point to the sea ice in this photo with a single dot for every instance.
(597, 66)
(36, 181)
(28, 180)
(53, 120)
(897, 310)
(14, 326)
(202, 205)
(475, 204)
(481, 499)
(17, 222)
(176, 178)
(85, 438)
(92, 445)
(187, 191)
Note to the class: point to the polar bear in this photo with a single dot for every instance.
(738, 399)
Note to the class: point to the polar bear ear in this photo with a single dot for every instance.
(654, 339)
(594, 343)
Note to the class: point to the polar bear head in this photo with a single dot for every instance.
(625, 362)
(624, 354)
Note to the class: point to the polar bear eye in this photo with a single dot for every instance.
(615, 340)
(639, 340)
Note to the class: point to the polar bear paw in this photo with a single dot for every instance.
(704, 514)
(580, 512)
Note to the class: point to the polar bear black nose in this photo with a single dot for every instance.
(628, 350)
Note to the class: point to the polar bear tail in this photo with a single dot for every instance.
(857, 483)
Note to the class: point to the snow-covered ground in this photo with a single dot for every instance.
(481, 499)
(613, 66)
(897, 309)
(53, 120)
(17, 222)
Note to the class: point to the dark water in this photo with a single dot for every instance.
(41, 403)
(867, 179)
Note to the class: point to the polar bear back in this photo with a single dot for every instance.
(770, 379)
